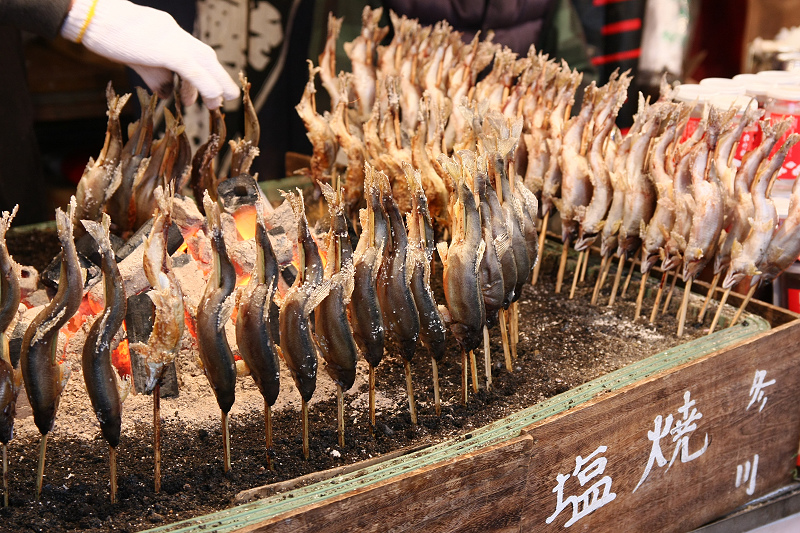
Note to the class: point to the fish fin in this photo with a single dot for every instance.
(226, 310)
(642, 229)
(444, 312)
(736, 248)
(123, 386)
(501, 244)
(481, 250)
(319, 293)
(441, 247)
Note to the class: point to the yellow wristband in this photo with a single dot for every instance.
(89, 17)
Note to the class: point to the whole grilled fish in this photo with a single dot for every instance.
(98, 373)
(213, 312)
(10, 377)
(297, 342)
(254, 320)
(45, 376)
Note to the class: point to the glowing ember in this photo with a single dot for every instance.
(121, 357)
(245, 218)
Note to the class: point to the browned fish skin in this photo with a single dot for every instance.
(203, 177)
(365, 311)
(492, 282)
(44, 376)
(297, 343)
(254, 321)
(215, 353)
(400, 316)
(334, 337)
(10, 377)
(98, 373)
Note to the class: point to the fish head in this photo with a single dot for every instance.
(649, 262)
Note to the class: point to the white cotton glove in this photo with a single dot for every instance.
(151, 43)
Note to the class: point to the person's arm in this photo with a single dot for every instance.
(42, 17)
(151, 43)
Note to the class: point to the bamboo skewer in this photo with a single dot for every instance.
(157, 438)
(719, 311)
(412, 406)
(629, 278)
(226, 441)
(605, 264)
(617, 277)
(714, 282)
(504, 336)
(436, 401)
(487, 358)
(268, 433)
(372, 396)
(576, 275)
(671, 291)
(473, 366)
(340, 414)
(40, 467)
(587, 253)
(5, 475)
(112, 462)
(640, 297)
(684, 306)
(746, 301)
(514, 329)
(660, 292)
(542, 237)
(304, 414)
(562, 266)
(464, 384)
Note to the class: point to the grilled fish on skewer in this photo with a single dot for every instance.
(708, 214)
(102, 177)
(213, 312)
(327, 62)
(660, 224)
(44, 375)
(739, 224)
(168, 321)
(140, 140)
(746, 258)
(255, 332)
(323, 141)
(333, 334)
(784, 247)
(365, 310)
(10, 376)
(297, 343)
(361, 52)
(203, 177)
(100, 376)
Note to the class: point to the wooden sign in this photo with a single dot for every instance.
(673, 452)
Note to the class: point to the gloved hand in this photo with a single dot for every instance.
(151, 43)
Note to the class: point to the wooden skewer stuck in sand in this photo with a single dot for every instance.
(340, 414)
(587, 253)
(742, 307)
(684, 306)
(372, 396)
(504, 337)
(701, 315)
(412, 405)
(719, 311)
(268, 433)
(5, 475)
(157, 437)
(514, 329)
(464, 384)
(40, 467)
(660, 292)
(473, 367)
(605, 264)
(304, 415)
(671, 291)
(629, 278)
(226, 441)
(562, 266)
(577, 275)
(640, 297)
(112, 462)
(487, 358)
(617, 277)
(542, 237)
(437, 404)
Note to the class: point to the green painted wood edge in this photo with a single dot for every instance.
(501, 430)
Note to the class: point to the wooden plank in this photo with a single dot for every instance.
(482, 490)
(757, 444)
